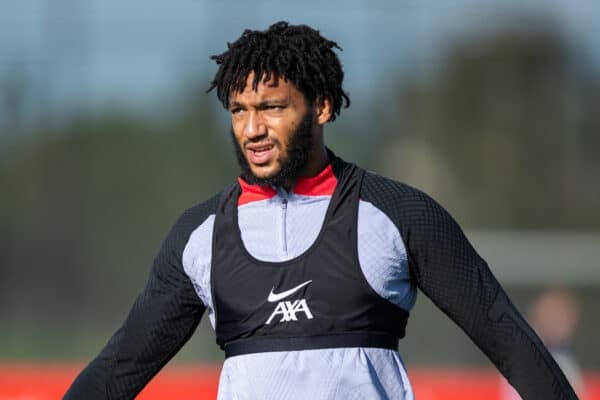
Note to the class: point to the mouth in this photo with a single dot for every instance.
(260, 153)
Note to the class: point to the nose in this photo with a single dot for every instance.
(254, 126)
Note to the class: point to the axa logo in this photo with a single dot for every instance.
(288, 309)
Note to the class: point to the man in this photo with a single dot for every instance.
(308, 266)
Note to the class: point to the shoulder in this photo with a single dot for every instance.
(398, 200)
(196, 214)
(418, 217)
(188, 222)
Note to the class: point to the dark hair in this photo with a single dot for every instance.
(297, 53)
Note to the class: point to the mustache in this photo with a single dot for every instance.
(262, 141)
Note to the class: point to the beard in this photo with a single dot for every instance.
(297, 153)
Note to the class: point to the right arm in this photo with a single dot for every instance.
(161, 321)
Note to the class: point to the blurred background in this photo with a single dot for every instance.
(107, 135)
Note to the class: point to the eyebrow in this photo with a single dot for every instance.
(234, 104)
(261, 104)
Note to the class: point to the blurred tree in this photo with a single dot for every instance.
(505, 134)
(14, 93)
(85, 207)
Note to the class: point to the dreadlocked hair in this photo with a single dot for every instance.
(296, 53)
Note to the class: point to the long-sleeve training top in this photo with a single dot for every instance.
(405, 241)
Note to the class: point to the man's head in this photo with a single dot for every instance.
(281, 86)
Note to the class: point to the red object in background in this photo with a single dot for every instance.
(459, 384)
(49, 381)
(183, 382)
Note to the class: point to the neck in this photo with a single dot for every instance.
(317, 161)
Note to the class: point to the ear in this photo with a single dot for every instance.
(323, 110)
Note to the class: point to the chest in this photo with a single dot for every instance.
(282, 228)
(320, 292)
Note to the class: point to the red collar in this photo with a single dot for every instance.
(322, 184)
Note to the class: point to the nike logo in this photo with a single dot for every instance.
(273, 297)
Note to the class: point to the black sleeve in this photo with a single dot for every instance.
(449, 271)
(162, 319)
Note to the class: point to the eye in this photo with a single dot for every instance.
(236, 110)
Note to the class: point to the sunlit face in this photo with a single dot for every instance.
(273, 127)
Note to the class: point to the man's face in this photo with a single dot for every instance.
(273, 130)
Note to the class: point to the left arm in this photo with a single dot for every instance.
(447, 269)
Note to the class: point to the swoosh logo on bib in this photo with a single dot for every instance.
(273, 297)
